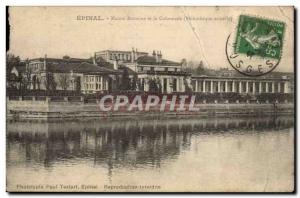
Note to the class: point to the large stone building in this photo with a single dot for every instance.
(149, 69)
(69, 74)
(149, 72)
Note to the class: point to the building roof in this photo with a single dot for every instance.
(230, 73)
(123, 67)
(120, 51)
(59, 60)
(21, 68)
(151, 60)
(80, 67)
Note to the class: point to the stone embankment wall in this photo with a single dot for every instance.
(35, 108)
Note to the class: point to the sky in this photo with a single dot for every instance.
(57, 31)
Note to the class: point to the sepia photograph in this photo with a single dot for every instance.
(150, 99)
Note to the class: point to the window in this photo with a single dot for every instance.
(256, 87)
(237, 87)
(276, 87)
(263, 87)
(282, 87)
(270, 87)
(165, 85)
(175, 84)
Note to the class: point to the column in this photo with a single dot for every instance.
(260, 87)
(286, 87)
(95, 83)
(146, 85)
(101, 82)
(196, 86)
(247, 86)
(233, 86)
(177, 84)
(226, 86)
(278, 87)
(273, 87)
(240, 87)
(253, 89)
(203, 86)
(182, 87)
(267, 87)
(168, 85)
(219, 86)
(211, 86)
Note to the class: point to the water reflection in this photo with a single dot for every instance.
(122, 142)
(125, 144)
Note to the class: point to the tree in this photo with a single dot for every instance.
(66, 57)
(125, 81)
(159, 85)
(134, 82)
(64, 81)
(153, 86)
(49, 82)
(27, 79)
(184, 63)
(200, 68)
(77, 84)
(11, 61)
(188, 66)
(187, 82)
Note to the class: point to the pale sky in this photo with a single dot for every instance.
(55, 31)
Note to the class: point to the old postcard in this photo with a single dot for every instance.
(150, 99)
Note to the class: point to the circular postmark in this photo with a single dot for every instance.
(256, 49)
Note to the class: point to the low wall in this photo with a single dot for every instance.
(72, 109)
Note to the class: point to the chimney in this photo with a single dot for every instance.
(154, 54)
(115, 64)
(45, 58)
(94, 59)
(132, 55)
(136, 54)
(159, 56)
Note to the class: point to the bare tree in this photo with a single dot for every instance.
(49, 82)
(64, 81)
(27, 79)
(11, 61)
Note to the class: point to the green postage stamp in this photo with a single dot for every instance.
(259, 37)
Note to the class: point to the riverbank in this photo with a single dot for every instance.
(35, 109)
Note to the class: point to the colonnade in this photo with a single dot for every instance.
(240, 86)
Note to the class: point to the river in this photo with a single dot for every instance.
(160, 154)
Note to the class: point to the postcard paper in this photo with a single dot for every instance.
(150, 99)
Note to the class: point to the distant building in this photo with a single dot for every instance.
(149, 73)
(150, 70)
(69, 74)
(121, 56)
(241, 84)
